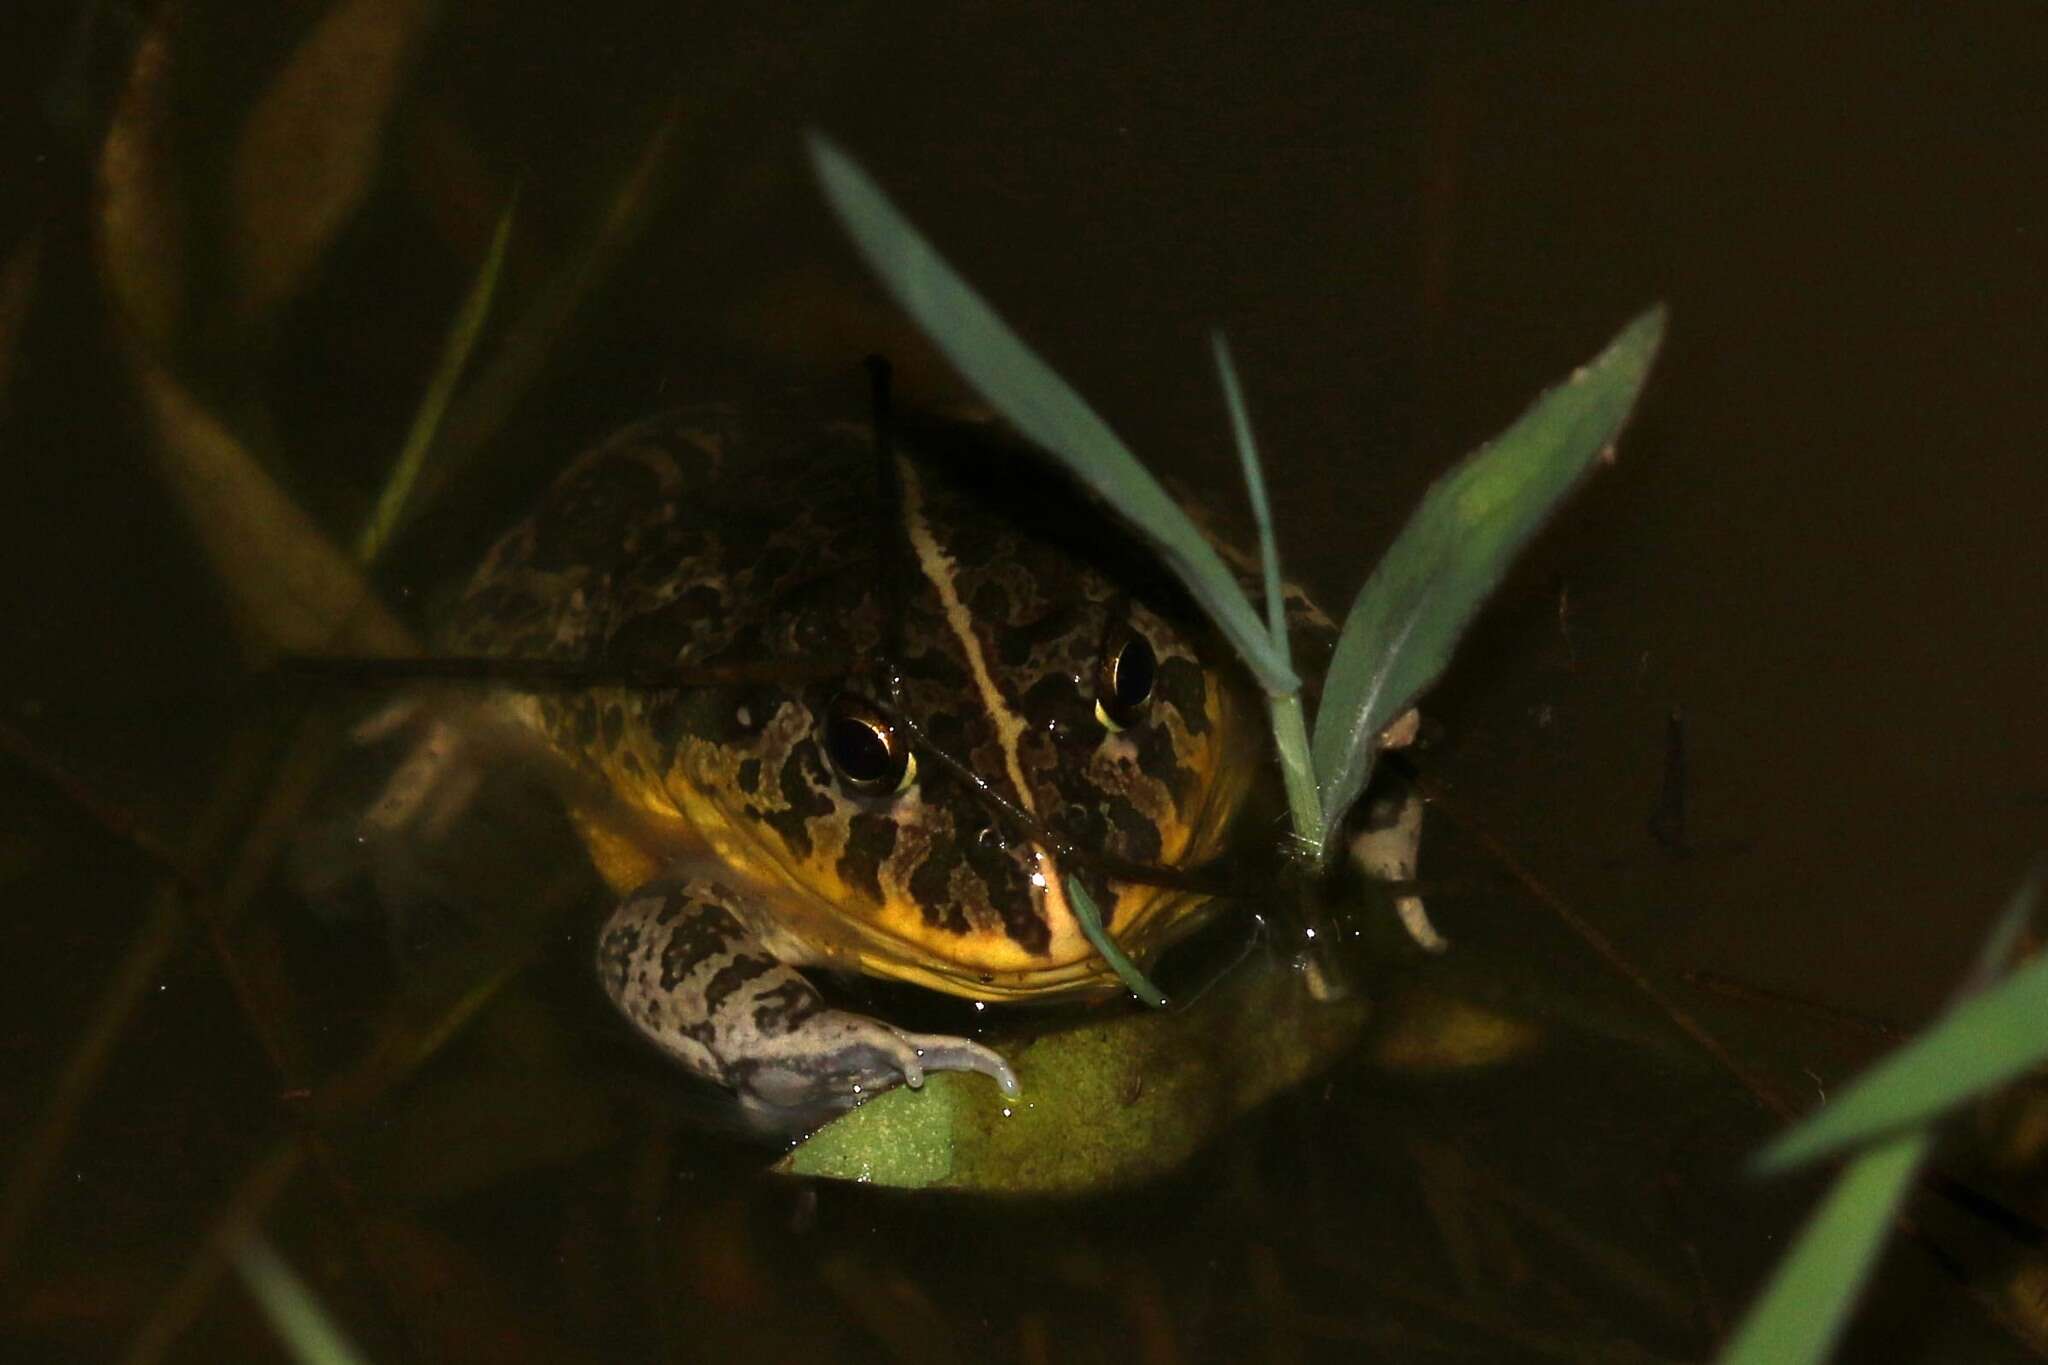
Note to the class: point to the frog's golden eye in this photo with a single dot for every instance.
(1123, 683)
(869, 753)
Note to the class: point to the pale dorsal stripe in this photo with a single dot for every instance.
(937, 566)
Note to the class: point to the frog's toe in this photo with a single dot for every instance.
(940, 1052)
(837, 1059)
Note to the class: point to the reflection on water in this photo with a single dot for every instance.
(1820, 545)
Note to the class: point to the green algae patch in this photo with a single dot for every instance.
(1112, 1102)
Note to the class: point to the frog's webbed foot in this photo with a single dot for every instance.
(685, 970)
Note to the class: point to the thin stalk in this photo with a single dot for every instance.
(425, 431)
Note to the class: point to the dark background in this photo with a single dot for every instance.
(1822, 542)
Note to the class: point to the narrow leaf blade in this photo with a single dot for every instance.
(1037, 401)
(1985, 1041)
(1455, 550)
(1801, 1313)
(294, 1310)
(425, 430)
(1091, 925)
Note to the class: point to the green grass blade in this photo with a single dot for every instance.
(1801, 1312)
(1986, 1040)
(1290, 730)
(426, 421)
(294, 1311)
(1255, 491)
(1091, 925)
(1455, 550)
(1037, 401)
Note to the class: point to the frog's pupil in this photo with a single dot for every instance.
(860, 748)
(1135, 667)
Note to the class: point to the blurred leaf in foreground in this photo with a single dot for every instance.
(294, 1310)
(311, 147)
(1801, 1312)
(1810, 1295)
(1038, 402)
(1990, 1038)
(1454, 551)
(1115, 1101)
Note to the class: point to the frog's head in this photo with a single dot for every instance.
(1042, 690)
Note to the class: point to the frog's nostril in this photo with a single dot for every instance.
(990, 838)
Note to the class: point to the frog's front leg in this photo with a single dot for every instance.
(686, 971)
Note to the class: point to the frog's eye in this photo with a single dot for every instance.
(1124, 683)
(869, 753)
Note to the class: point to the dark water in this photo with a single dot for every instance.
(1822, 544)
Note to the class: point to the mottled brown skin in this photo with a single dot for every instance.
(713, 538)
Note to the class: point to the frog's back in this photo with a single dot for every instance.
(681, 541)
(979, 612)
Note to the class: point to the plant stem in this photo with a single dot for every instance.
(1304, 802)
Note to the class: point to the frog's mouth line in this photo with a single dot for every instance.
(884, 954)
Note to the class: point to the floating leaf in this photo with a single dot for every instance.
(426, 421)
(1985, 1041)
(1037, 401)
(1426, 1032)
(1113, 1102)
(310, 149)
(1810, 1294)
(1454, 551)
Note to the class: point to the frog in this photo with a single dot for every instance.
(881, 702)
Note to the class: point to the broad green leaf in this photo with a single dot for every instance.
(1802, 1311)
(1037, 401)
(426, 420)
(1455, 550)
(1983, 1042)
(295, 1312)
(1110, 1103)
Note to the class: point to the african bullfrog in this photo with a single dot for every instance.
(914, 694)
